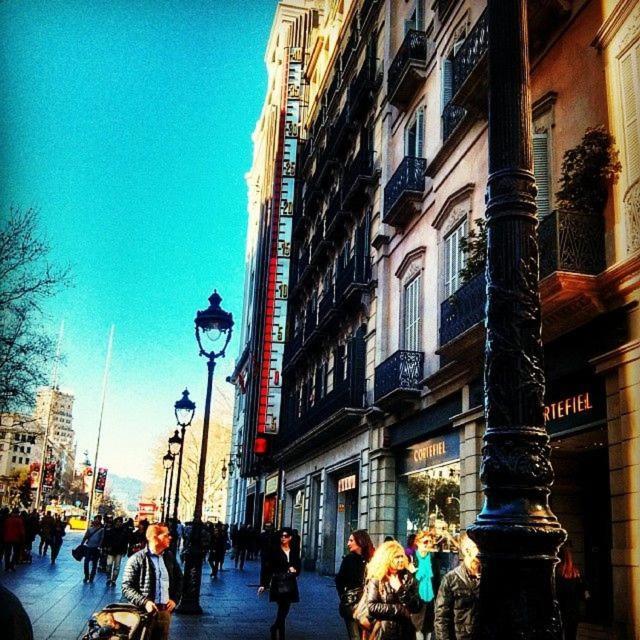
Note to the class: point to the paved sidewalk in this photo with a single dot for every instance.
(59, 604)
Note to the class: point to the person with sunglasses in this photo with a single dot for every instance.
(278, 573)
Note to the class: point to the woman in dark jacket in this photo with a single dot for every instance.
(278, 573)
(570, 591)
(392, 594)
(350, 578)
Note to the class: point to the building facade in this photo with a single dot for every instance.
(382, 411)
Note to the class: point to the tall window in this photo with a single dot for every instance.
(414, 135)
(541, 172)
(447, 71)
(453, 259)
(416, 20)
(630, 85)
(411, 320)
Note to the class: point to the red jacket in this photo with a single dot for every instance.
(13, 529)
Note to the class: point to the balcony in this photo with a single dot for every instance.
(326, 162)
(349, 50)
(462, 317)
(318, 123)
(332, 91)
(470, 67)
(319, 242)
(452, 116)
(403, 193)
(363, 88)
(310, 322)
(293, 349)
(408, 69)
(368, 11)
(340, 129)
(326, 306)
(397, 379)
(359, 174)
(306, 424)
(335, 216)
(306, 154)
(302, 263)
(443, 7)
(571, 241)
(353, 278)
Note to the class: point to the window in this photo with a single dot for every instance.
(330, 371)
(447, 71)
(411, 316)
(414, 136)
(13, 459)
(416, 20)
(541, 172)
(630, 86)
(453, 259)
(20, 460)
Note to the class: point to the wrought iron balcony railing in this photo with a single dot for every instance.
(303, 261)
(310, 321)
(366, 82)
(403, 371)
(571, 241)
(332, 90)
(352, 276)
(404, 72)
(464, 309)
(403, 190)
(359, 173)
(340, 128)
(452, 116)
(367, 11)
(472, 51)
(326, 304)
(350, 48)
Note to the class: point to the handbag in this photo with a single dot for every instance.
(361, 613)
(283, 585)
(350, 597)
(79, 552)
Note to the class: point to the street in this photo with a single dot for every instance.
(59, 604)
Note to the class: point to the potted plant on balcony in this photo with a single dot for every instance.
(588, 171)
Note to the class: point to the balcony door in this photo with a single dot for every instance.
(412, 315)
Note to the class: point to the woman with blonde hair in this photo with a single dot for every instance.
(392, 594)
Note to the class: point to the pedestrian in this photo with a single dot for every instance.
(350, 578)
(570, 592)
(32, 530)
(411, 547)
(58, 531)
(117, 545)
(391, 593)
(138, 539)
(422, 561)
(278, 573)
(92, 542)
(267, 539)
(456, 608)
(13, 535)
(241, 545)
(14, 621)
(46, 525)
(103, 559)
(153, 580)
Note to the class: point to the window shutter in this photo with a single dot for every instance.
(420, 15)
(420, 133)
(630, 81)
(541, 172)
(411, 333)
(447, 81)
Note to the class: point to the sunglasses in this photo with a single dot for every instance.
(285, 535)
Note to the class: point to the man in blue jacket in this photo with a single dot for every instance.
(153, 580)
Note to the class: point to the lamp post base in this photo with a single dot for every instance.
(193, 558)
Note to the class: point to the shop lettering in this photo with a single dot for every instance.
(430, 451)
(567, 406)
(346, 484)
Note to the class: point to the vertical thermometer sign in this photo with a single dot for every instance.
(280, 249)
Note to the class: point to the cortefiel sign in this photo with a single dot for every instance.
(432, 453)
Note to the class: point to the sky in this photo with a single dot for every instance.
(128, 124)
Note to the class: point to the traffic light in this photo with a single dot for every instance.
(101, 480)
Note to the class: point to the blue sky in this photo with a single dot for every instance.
(128, 124)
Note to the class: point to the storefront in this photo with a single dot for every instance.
(270, 503)
(428, 492)
(347, 513)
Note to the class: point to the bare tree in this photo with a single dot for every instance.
(27, 280)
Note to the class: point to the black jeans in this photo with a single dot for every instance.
(91, 557)
(241, 556)
(55, 550)
(277, 628)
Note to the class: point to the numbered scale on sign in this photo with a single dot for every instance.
(281, 253)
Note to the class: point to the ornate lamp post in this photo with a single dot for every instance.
(167, 463)
(214, 325)
(516, 531)
(184, 410)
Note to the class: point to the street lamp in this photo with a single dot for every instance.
(213, 331)
(184, 410)
(517, 533)
(167, 463)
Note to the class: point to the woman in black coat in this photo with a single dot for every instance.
(392, 594)
(350, 578)
(278, 573)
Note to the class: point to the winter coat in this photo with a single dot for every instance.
(350, 577)
(116, 541)
(13, 530)
(139, 580)
(275, 563)
(457, 605)
(390, 607)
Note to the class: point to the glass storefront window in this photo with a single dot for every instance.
(433, 502)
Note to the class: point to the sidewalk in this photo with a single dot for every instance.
(59, 604)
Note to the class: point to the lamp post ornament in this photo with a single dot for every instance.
(516, 531)
(210, 324)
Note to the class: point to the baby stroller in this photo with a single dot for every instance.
(118, 621)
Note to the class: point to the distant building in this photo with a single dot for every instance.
(54, 413)
(20, 448)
